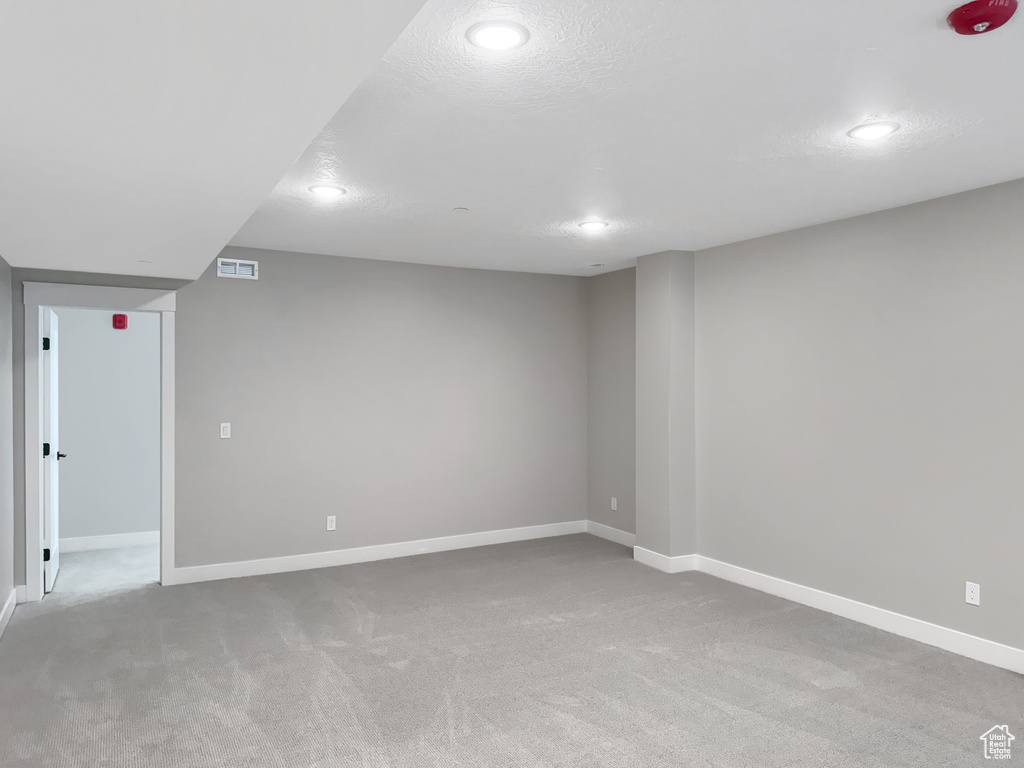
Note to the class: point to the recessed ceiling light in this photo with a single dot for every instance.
(327, 191)
(497, 35)
(873, 131)
(593, 225)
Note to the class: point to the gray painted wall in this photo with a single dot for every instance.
(860, 408)
(666, 513)
(411, 401)
(109, 423)
(858, 414)
(611, 399)
(19, 276)
(6, 438)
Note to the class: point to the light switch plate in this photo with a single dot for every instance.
(225, 430)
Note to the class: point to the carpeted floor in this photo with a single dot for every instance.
(558, 652)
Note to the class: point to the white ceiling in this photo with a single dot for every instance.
(686, 124)
(149, 131)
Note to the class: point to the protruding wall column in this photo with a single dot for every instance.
(666, 512)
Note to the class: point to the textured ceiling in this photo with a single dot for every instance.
(136, 137)
(685, 124)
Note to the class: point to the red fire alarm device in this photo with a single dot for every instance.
(980, 16)
(121, 322)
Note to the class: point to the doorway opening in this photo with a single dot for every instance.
(101, 415)
(99, 438)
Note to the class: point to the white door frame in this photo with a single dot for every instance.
(55, 296)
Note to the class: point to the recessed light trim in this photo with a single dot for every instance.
(327, 191)
(874, 130)
(593, 225)
(497, 35)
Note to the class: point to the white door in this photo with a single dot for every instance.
(51, 462)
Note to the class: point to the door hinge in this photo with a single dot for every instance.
(46, 450)
(46, 343)
(46, 555)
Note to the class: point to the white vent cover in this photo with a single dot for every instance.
(247, 270)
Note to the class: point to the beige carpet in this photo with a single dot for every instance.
(560, 652)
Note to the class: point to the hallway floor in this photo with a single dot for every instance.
(106, 571)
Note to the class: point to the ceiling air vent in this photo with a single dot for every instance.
(247, 270)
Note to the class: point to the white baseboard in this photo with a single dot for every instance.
(952, 640)
(22, 593)
(8, 610)
(337, 557)
(114, 541)
(611, 534)
(677, 564)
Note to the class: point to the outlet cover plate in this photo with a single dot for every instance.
(332, 523)
(973, 594)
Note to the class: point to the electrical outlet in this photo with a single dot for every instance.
(615, 504)
(973, 594)
(225, 430)
(332, 523)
